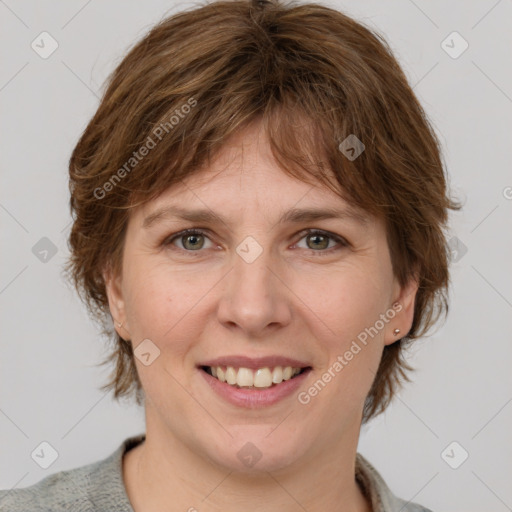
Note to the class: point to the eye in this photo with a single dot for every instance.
(191, 240)
(318, 240)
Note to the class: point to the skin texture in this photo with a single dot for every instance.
(303, 297)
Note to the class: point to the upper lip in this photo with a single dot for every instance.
(255, 362)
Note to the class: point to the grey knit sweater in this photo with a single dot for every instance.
(99, 487)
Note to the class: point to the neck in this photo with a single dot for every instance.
(163, 473)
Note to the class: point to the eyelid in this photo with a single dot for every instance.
(301, 234)
(315, 231)
(168, 240)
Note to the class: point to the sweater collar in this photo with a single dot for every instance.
(111, 470)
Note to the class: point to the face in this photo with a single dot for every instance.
(245, 297)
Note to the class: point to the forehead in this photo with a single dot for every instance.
(244, 177)
(229, 198)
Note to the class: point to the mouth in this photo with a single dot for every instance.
(264, 377)
(254, 382)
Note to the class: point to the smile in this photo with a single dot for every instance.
(254, 382)
(253, 378)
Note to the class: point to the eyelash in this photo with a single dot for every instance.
(197, 231)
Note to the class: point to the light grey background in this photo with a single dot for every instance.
(462, 389)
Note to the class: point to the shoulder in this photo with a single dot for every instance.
(91, 488)
(66, 490)
(378, 492)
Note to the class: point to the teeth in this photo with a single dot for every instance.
(260, 378)
(287, 373)
(277, 375)
(231, 375)
(245, 377)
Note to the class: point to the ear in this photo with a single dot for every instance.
(116, 303)
(404, 298)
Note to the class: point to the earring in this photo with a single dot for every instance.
(119, 324)
(396, 331)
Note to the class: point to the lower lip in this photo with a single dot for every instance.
(255, 398)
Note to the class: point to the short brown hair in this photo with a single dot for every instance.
(314, 76)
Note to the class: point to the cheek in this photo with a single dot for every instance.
(147, 298)
(347, 303)
(160, 300)
(349, 330)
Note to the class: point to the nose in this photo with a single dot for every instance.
(255, 297)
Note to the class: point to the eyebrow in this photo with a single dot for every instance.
(294, 215)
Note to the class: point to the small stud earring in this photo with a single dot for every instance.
(396, 331)
(119, 324)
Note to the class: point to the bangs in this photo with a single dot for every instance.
(335, 107)
(302, 141)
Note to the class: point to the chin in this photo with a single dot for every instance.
(260, 449)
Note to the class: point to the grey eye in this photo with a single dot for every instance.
(192, 242)
(317, 241)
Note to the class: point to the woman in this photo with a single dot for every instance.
(259, 205)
